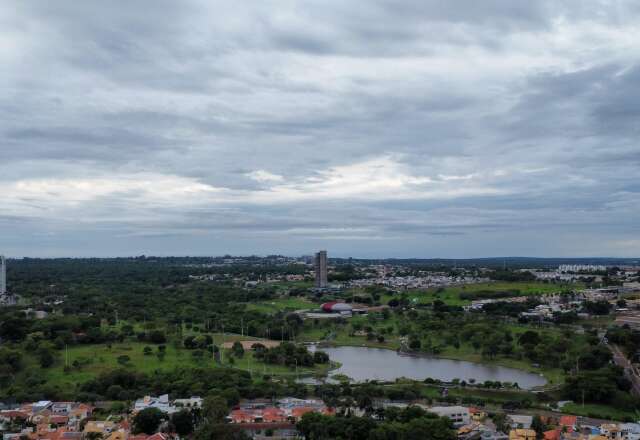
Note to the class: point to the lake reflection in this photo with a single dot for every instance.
(363, 363)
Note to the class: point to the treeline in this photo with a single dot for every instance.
(127, 385)
(290, 355)
(392, 424)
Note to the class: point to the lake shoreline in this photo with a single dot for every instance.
(464, 363)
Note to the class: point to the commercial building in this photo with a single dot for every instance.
(459, 415)
(321, 270)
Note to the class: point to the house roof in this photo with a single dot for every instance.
(553, 434)
(299, 412)
(568, 420)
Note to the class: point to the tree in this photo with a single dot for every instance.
(538, 426)
(320, 357)
(45, 357)
(182, 422)
(147, 421)
(210, 431)
(123, 359)
(414, 342)
(157, 337)
(215, 409)
(529, 338)
(238, 349)
(147, 350)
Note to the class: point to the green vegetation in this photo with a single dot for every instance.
(463, 295)
(410, 423)
(121, 328)
(601, 412)
(282, 304)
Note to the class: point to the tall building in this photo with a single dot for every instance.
(321, 270)
(3, 275)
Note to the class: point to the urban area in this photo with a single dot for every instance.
(314, 347)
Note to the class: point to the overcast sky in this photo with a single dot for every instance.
(370, 128)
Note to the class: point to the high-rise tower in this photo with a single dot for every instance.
(321, 270)
(3, 275)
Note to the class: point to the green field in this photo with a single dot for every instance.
(282, 304)
(100, 358)
(451, 295)
(600, 412)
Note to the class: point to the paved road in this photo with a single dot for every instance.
(629, 370)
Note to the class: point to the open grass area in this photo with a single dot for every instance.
(92, 360)
(282, 304)
(96, 359)
(492, 396)
(554, 376)
(451, 295)
(340, 335)
(601, 412)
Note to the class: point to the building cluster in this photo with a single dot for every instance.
(553, 304)
(627, 276)
(164, 404)
(258, 416)
(47, 420)
(416, 282)
(473, 423)
(285, 410)
(577, 268)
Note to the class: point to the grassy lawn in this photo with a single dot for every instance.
(451, 295)
(493, 396)
(339, 335)
(97, 359)
(466, 352)
(600, 412)
(280, 304)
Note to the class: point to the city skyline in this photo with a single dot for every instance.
(426, 129)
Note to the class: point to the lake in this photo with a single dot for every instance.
(363, 363)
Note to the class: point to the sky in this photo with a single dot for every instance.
(368, 128)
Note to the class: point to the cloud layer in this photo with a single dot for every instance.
(372, 128)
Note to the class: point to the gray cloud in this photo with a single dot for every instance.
(373, 128)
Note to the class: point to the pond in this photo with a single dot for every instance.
(363, 363)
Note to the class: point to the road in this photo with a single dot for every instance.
(630, 371)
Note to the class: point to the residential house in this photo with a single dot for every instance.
(611, 431)
(630, 431)
(517, 421)
(522, 434)
(568, 423)
(161, 402)
(104, 428)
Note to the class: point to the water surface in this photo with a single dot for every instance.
(363, 363)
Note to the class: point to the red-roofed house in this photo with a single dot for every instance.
(273, 415)
(241, 416)
(297, 413)
(568, 422)
(13, 414)
(553, 434)
(58, 420)
(329, 411)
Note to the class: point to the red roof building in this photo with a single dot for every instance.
(553, 434)
(568, 422)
